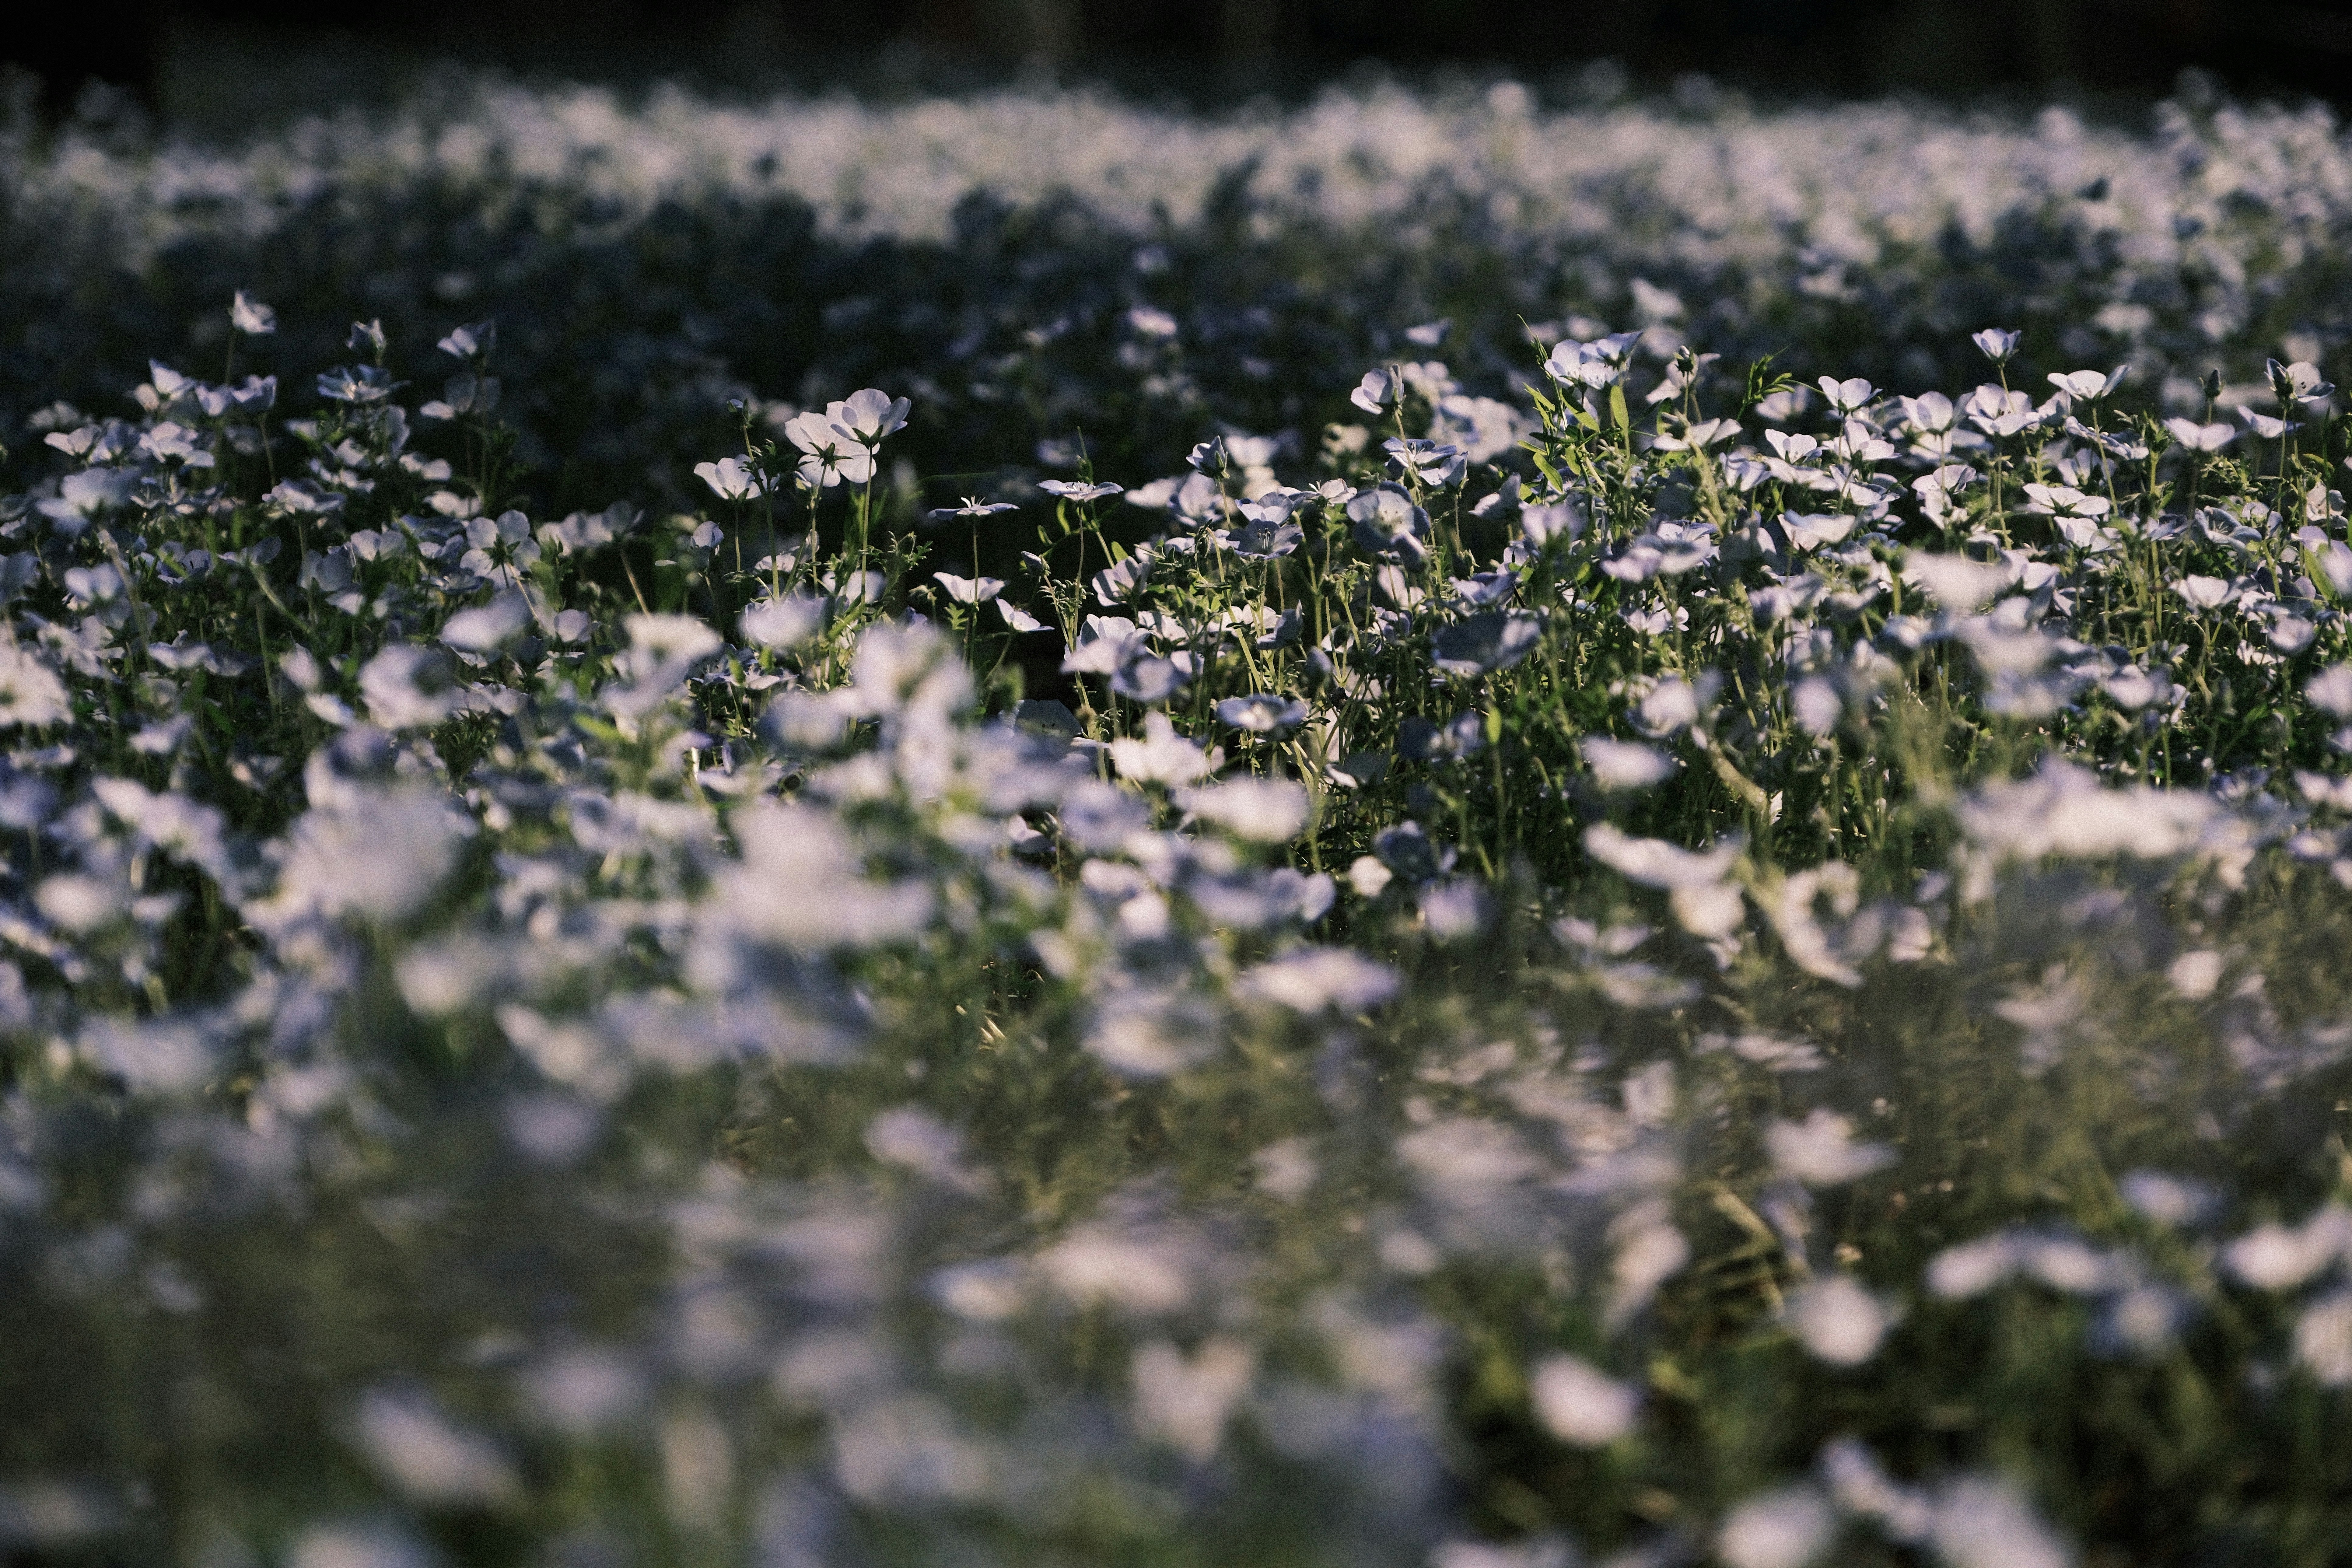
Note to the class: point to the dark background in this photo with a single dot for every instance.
(1209, 48)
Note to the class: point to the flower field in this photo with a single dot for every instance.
(1427, 830)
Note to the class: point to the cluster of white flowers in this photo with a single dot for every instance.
(1065, 259)
(1673, 960)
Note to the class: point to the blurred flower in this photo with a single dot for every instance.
(1624, 765)
(251, 317)
(1185, 1401)
(1785, 1528)
(1263, 811)
(1838, 1321)
(731, 478)
(1310, 979)
(407, 687)
(1819, 1150)
(1262, 713)
(407, 1439)
(1162, 756)
(1580, 1405)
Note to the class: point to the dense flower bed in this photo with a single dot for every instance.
(1398, 941)
(1026, 264)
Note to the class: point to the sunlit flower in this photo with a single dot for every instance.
(730, 479)
(1162, 756)
(1997, 345)
(1624, 765)
(1262, 713)
(969, 590)
(1266, 811)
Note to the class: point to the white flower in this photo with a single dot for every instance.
(1819, 705)
(2331, 689)
(250, 316)
(429, 1458)
(1972, 1267)
(1624, 765)
(1105, 644)
(1262, 713)
(30, 691)
(1072, 490)
(2276, 1257)
(1710, 910)
(160, 1057)
(77, 903)
(379, 858)
(2088, 385)
(1389, 526)
(2204, 592)
(2199, 438)
(1838, 1321)
(970, 506)
(1185, 1401)
(1957, 582)
(1161, 755)
(1649, 1252)
(913, 1139)
(358, 1546)
(1821, 1152)
(408, 688)
(1143, 1273)
(1985, 1524)
(799, 884)
(1263, 811)
(2323, 1340)
(829, 454)
(1810, 531)
(1996, 345)
(1862, 1487)
(2267, 426)
(1654, 863)
(867, 416)
(1580, 1405)
(1786, 1528)
(1376, 391)
(1673, 706)
(970, 590)
(2194, 974)
(1847, 396)
(784, 623)
(2064, 501)
(671, 636)
(1310, 979)
(485, 627)
(2168, 1199)
(731, 478)
(90, 493)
